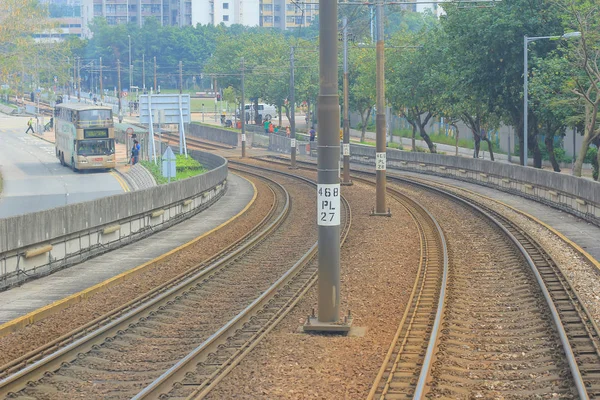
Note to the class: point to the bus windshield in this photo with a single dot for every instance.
(95, 117)
(98, 147)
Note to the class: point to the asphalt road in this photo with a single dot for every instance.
(33, 178)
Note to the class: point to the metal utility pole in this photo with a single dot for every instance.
(119, 91)
(242, 112)
(155, 87)
(525, 98)
(130, 66)
(293, 110)
(380, 154)
(328, 183)
(180, 77)
(101, 83)
(346, 135)
(78, 79)
(144, 72)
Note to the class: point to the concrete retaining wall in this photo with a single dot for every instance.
(577, 196)
(38, 243)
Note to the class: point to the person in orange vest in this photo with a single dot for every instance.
(271, 127)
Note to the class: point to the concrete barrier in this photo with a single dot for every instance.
(39, 243)
(575, 195)
(213, 133)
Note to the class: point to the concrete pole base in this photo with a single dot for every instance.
(375, 214)
(314, 325)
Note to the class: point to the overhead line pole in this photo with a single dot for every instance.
(328, 183)
(293, 110)
(101, 83)
(155, 87)
(346, 123)
(119, 91)
(243, 113)
(380, 125)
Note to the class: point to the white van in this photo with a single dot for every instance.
(266, 111)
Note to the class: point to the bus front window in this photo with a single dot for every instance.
(96, 147)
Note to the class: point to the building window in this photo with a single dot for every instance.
(225, 17)
(298, 20)
(277, 7)
(225, 6)
(268, 7)
(268, 19)
(290, 7)
(277, 19)
(289, 20)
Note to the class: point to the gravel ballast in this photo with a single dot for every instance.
(378, 266)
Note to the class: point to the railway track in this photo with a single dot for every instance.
(121, 358)
(197, 374)
(512, 325)
(562, 360)
(27, 359)
(195, 143)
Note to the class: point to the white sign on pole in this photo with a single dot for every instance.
(169, 168)
(175, 107)
(346, 149)
(380, 161)
(243, 137)
(293, 143)
(328, 204)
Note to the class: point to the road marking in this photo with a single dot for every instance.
(121, 181)
(46, 311)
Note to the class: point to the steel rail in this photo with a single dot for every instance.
(54, 360)
(564, 339)
(36, 354)
(169, 379)
(441, 296)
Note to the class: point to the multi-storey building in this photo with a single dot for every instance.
(169, 12)
(281, 14)
(287, 14)
(228, 12)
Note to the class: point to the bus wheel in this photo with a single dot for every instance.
(73, 165)
(61, 157)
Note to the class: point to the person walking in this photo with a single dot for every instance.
(312, 134)
(288, 131)
(30, 126)
(266, 126)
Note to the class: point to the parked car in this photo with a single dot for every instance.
(266, 111)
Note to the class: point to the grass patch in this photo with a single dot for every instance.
(186, 168)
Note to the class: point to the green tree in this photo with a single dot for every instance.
(583, 62)
(413, 79)
(487, 49)
(361, 86)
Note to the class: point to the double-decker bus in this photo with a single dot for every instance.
(85, 136)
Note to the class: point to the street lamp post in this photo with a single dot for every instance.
(526, 41)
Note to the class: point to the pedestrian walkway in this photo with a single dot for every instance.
(19, 301)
